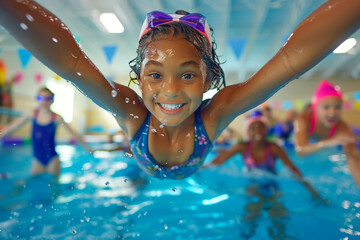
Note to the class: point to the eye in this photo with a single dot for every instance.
(155, 75)
(188, 76)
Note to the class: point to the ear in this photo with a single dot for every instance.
(139, 80)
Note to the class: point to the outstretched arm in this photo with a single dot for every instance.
(15, 125)
(312, 40)
(74, 134)
(280, 152)
(48, 38)
(226, 154)
(303, 146)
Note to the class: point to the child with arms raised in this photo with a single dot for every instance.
(169, 128)
(259, 153)
(44, 124)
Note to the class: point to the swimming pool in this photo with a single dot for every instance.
(107, 196)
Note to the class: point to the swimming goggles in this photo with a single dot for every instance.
(41, 98)
(194, 20)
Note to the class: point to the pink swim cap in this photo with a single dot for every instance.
(325, 89)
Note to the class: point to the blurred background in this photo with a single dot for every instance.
(247, 32)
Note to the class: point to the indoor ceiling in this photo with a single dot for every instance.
(248, 33)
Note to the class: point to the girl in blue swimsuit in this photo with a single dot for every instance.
(175, 64)
(44, 124)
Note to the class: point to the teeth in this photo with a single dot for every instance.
(171, 106)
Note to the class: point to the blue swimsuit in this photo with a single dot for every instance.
(43, 140)
(202, 146)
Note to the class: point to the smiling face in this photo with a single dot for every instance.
(329, 111)
(257, 131)
(172, 79)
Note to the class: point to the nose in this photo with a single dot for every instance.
(171, 87)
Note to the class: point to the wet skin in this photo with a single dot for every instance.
(329, 111)
(172, 79)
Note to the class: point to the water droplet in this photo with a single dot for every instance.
(174, 189)
(29, 17)
(145, 213)
(136, 117)
(131, 114)
(154, 96)
(23, 26)
(153, 130)
(180, 151)
(162, 125)
(74, 232)
(128, 155)
(114, 114)
(113, 93)
(125, 180)
(127, 100)
(180, 221)
(165, 226)
(54, 40)
(162, 134)
(133, 101)
(78, 73)
(107, 183)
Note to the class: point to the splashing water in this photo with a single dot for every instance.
(113, 93)
(23, 26)
(29, 17)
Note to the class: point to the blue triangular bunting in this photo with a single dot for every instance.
(24, 56)
(238, 46)
(109, 52)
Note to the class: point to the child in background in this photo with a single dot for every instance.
(259, 153)
(170, 129)
(44, 124)
(323, 127)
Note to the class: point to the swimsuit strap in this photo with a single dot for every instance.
(313, 123)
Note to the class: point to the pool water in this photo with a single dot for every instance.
(106, 196)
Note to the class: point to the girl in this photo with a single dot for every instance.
(324, 126)
(169, 128)
(259, 153)
(44, 126)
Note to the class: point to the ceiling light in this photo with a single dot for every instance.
(111, 23)
(346, 46)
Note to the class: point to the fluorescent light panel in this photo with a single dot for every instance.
(111, 23)
(346, 46)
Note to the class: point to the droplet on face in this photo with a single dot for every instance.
(54, 40)
(134, 102)
(23, 26)
(162, 125)
(78, 73)
(127, 100)
(113, 93)
(153, 130)
(29, 17)
(154, 96)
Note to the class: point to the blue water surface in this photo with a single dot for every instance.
(106, 196)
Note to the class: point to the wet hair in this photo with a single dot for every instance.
(214, 73)
(46, 89)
